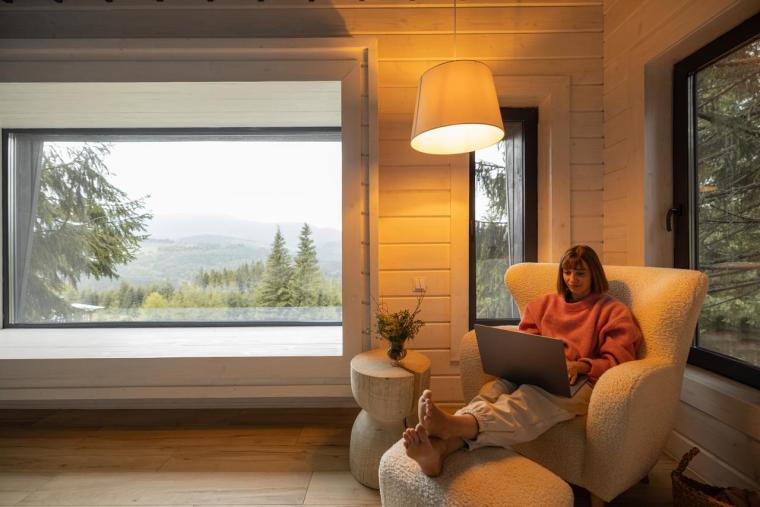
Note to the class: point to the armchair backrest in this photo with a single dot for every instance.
(665, 302)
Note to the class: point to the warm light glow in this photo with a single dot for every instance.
(457, 109)
(457, 139)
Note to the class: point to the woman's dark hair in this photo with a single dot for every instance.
(574, 258)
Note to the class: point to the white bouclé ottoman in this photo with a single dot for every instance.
(489, 476)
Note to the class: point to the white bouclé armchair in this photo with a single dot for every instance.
(633, 405)
(630, 415)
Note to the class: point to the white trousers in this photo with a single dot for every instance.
(509, 414)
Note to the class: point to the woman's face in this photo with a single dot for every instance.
(578, 280)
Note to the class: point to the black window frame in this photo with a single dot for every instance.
(222, 133)
(684, 186)
(528, 116)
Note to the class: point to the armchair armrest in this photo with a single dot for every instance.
(630, 416)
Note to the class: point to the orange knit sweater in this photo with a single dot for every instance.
(598, 329)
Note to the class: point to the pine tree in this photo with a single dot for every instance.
(85, 226)
(727, 167)
(274, 289)
(306, 283)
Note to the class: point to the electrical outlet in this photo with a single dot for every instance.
(419, 285)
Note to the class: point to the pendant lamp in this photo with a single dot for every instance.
(457, 110)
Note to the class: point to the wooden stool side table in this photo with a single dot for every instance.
(387, 395)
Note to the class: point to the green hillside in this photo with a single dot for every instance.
(161, 260)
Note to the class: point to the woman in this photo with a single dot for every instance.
(598, 331)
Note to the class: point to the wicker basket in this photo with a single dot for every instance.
(690, 493)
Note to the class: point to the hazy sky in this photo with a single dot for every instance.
(272, 182)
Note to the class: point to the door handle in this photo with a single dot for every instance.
(677, 211)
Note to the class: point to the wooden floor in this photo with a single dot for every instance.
(199, 458)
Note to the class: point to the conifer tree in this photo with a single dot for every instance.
(275, 286)
(306, 282)
(85, 226)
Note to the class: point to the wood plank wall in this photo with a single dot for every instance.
(420, 196)
(717, 415)
(417, 201)
(636, 34)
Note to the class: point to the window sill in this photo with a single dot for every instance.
(195, 342)
(731, 402)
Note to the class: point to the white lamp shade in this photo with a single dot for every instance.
(457, 109)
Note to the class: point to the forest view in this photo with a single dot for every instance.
(727, 244)
(499, 217)
(97, 253)
(728, 202)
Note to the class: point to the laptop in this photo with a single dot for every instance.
(525, 358)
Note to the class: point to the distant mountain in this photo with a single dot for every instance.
(178, 227)
(179, 246)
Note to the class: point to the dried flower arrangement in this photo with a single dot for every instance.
(398, 327)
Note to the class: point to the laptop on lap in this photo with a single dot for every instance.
(525, 358)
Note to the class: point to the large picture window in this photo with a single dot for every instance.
(503, 215)
(717, 186)
(170, 227)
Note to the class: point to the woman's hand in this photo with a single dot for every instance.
(575, 368)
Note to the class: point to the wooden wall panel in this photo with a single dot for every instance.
(401, 283)
(433, 335)
(616, 129)
(410, 203)
(615, 258)
(615, 186)
(586, 203)
(415, 229)
(615, 73)
(414, 257)
(400, 153)
(645, 38)
(642, 41)
(397, 100)
(490, 46)
(616, 156)
(440, 362)
(586, 229)
(273, 21)
(586, 151)
(423, 199)
(582, 70)
(543, 19)
(432, 177)
(616, 99)
(587, 177)
(586, 98)
(433, 309)
(406, 175)
(720, 439)
(586, 124)
(615, 239)
(619, 11)
(583, 98)
(615, 213)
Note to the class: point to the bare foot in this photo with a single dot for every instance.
(422, 449)
(433, 419)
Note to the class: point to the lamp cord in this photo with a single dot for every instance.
(455, 29)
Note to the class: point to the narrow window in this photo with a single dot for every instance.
(717, 184)
(503, 215)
